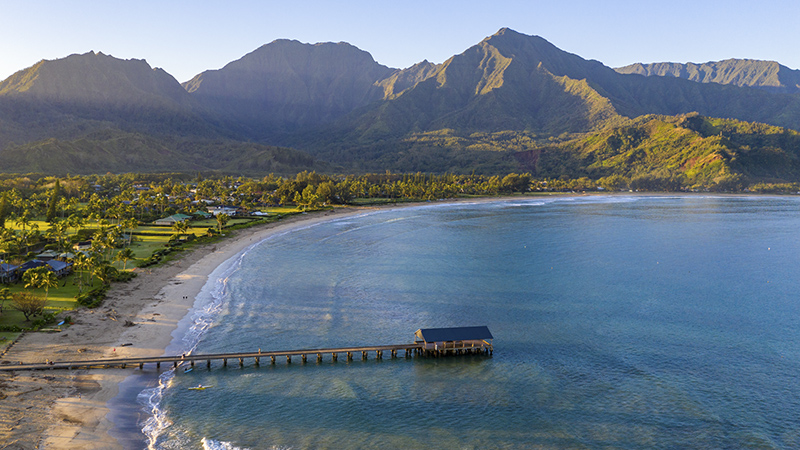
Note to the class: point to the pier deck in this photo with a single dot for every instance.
(415, 349)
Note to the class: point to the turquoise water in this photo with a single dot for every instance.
(619, 322)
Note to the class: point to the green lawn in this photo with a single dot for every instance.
(153, 239)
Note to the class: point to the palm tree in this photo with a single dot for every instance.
(124, 255)
(5, 295)
(57, 232)
(40, 277)
(76, 221)
(24, 220)
(222, 220)
(105, 272)
(81, 263)
(130, 225)
(180, 228)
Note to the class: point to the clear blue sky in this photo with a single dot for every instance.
(187, 37)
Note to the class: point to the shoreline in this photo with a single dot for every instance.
(71, 409)
(68, 409)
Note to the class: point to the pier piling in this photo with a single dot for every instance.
(415, 349)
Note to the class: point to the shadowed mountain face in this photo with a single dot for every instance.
(286, 85)
(69, 97)
(509, 94)
(767, 75)
(97, 79)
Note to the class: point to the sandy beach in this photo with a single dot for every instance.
(67, 409)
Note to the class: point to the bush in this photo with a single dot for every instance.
(93, 298)
(46, 319)
(123, 276)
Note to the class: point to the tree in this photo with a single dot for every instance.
(53, 203)
(124, 255)
(28, 303)
(308, 198)
(222, 220)
(180, 228)
(4, 207)
(40, 277)
(81, 263)
(5, 295)
(130, 225)
(58, 232)
(24, 220)
(105, 272)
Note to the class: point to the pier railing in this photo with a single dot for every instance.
(415, 349)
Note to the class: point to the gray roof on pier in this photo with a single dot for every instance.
(454, 334)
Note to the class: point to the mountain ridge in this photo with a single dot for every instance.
(286, 84)
(768, 75)
(494, 106)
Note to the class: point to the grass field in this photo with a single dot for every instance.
(147, 239)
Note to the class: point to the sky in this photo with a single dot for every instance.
(187, 37)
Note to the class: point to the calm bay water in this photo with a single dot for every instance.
(619, 322)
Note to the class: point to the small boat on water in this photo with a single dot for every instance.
(199, 387)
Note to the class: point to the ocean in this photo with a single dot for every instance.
(630, 322)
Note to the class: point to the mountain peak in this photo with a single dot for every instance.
(95, 78)
(287, 83)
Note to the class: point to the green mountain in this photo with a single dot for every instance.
(118, 151)
(766, 75)
(684, 150)
(523, 85)
(511, 102)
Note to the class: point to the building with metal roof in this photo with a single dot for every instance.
(442, 341)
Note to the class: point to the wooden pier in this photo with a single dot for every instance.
(417, 349)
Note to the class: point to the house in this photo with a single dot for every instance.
(8, 273)
(83, 246)
(60, 268)
(47, 255)
(444, 340)
(32, 264)
(202, 215)
(173, 219)
(229, 210)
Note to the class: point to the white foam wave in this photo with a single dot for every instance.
(207, 307)
(210, 444)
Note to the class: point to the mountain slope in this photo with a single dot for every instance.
(285, 85)
(523, 84)
(766, 75)
(68, 97)
(511, 101)
(682, 150)
(118, 151)
(499, 84)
